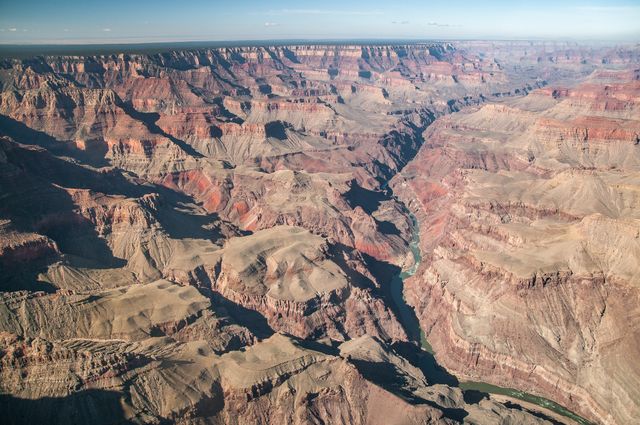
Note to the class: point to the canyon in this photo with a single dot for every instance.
(230, 234)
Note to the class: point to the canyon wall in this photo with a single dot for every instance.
(529, 220)
(209, 236)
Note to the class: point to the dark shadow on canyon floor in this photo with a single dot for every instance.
(474, 396)
(392, 292)
(243, 316)
(94, 155)
(149, 120)
(389, 277)
(540, 415)
(98, 407)
(426, 362)
(390, 378)
(368, 200)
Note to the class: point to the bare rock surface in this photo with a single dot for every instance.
(530, 223)
(213, 235)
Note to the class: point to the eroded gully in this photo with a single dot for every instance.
(436, 373)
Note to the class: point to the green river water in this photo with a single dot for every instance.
(411, 324)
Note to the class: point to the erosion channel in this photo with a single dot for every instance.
(437, 373)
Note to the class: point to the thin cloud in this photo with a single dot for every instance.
(13, 29)
(324, 12)
(439, 24)
(106, 29)
(271, 24)
(400, 22)
(619, 9)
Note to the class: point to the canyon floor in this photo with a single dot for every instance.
(424, 233)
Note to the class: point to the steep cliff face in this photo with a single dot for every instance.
(201, 121)
(279, 379)
(304, 286)
(219, 228)
(529, 220)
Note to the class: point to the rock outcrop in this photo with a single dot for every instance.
(529, 220)
(304, 286)
(210, 235)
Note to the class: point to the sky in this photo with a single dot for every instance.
(140, 21)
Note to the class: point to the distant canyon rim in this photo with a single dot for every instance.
(213, 235)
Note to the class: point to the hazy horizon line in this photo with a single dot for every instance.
(294, 40)
(28, 50)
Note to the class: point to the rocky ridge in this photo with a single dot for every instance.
(530, 225)
(214, 222)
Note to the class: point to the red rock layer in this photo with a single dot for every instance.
(527, 280)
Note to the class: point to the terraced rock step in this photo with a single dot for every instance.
(224, 235)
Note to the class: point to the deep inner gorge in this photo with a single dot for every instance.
(345, 233)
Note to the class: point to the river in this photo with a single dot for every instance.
(437, 374)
